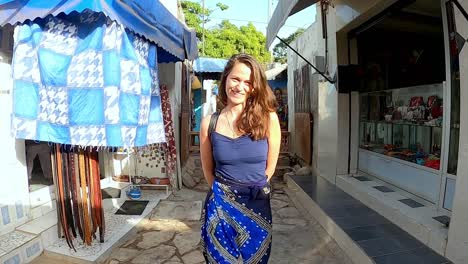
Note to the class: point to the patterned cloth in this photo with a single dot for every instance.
(237, 224)
(171, 154)
(82, 79)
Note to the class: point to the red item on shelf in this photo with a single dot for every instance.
(431, 100)
(436, 111)
(416, 101)
(434, 164)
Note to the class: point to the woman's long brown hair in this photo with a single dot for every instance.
(255, 118)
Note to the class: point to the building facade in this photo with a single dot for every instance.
(393, 111)
(28, 211)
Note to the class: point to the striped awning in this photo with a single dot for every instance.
(147, 18)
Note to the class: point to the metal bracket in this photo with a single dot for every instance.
(311, 65)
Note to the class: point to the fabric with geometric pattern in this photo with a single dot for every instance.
(237, 223)
(83, 79)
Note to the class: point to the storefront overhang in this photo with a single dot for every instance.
(284, 9)
(203, 64)
(148, 18)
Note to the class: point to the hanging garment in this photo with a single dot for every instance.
(171, 154)
(82, 79)
(237, 224)
(79, 198)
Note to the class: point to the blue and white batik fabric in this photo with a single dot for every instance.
(83, 79)
(237, 224)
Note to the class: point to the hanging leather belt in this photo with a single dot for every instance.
(61, 197)
(79, 198)
(98, 212)
(67, 191)
(84, 195)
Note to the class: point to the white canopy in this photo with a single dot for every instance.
(283, 10)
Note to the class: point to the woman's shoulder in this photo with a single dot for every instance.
(205, 123)
(273, 116)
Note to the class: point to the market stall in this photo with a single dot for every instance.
(85, 80)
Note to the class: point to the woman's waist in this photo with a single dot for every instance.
(241, 180)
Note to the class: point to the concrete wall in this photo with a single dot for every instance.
(324, 96)
(328, 104)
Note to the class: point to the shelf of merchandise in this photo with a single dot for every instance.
(418, 179)
(401, 124)
(130, 177)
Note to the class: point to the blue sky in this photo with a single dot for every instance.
(240, 12)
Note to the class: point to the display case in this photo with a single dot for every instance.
(403, 123)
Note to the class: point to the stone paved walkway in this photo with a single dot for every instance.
(172, 234)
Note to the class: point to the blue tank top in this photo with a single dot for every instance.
(241, 159)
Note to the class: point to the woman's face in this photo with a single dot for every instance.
(238, 84)
(278, 95)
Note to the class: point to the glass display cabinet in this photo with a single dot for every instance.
(403, 123)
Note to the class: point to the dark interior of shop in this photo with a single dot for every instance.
(405, 48)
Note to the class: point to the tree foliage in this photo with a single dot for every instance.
(195, 14)
(280, 49)
(225, 39)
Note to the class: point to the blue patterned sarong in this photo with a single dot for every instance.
(237, 223)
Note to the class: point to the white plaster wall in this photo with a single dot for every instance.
(457, 245)
(327, 131)
(328, 105)
(14, 192)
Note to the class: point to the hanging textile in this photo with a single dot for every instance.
(82, 79)
(79, 199)
(171, 154)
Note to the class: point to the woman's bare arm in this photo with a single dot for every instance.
(274, 142)
(206, 153)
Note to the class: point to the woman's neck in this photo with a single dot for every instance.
(235, 110)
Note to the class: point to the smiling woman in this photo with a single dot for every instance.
(239, 151)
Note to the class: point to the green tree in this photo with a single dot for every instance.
(280, 49)
(194, 14)
(225, 39)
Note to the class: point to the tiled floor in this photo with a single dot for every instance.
(379, 238)
(117, 227)
(13, 240)
(411, 203)
(384, 189)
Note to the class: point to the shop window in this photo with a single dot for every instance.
(404, 123)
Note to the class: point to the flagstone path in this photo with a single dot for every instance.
(172, 234)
